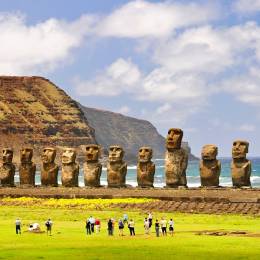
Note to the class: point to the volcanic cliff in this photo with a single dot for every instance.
(34, 112)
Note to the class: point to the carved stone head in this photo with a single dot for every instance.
(145, 154)
(7, 155)
(209, 152)
(26, 155)
(68, 156)
(116, 153)
(240, 149)
(174, 138)
(48, 155)
(92, 152)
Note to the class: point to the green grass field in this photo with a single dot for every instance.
(69, 240)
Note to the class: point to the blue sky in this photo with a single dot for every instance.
(189, 64)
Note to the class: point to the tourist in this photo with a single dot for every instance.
(157, 228)
(92, 223)
(48, 225)
(110, 227)
(171, 227)
(88, 227)
(131, 226)
(150, 219)
(121, 227)
(97, 225)
(125, 218)
(164, 226)
(18, 224)
(146, 226)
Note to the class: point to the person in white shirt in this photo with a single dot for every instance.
(164, 226)
(146, 226)
(171, 226)
(131, 226)
(92, 223)
(150, 219)
(18, 224)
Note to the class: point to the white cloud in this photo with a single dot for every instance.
(145, 19)
(41, 47)
(247, 128)
(247, 6)
(123, 110)
(121, 76)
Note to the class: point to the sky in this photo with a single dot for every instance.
(194, 65)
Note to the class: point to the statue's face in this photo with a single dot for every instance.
(7, 155)
(240, 149)
(209, 152)
(92, 152)
(174, 138)
(26, 155)
(68, 155)
(116, 153)
(145, 154)
(48, 155)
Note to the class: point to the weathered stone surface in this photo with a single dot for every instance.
(92, 166)
(116, 167)
(145, 167)
(36, 113)
(176, 159)
(7, 168)
(70, 169)
(49, 170)
(210, 167)
(27, 168)
(240, 165)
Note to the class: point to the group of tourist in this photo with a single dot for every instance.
(160, 226)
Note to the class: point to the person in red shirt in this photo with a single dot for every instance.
(98, 225)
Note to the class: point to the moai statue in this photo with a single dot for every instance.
(27, 168)
(116, 167)
(210, 167)
(145, 167)
(176, 160)
(240, 166)
(70, 169)
(7, 168)
(92, 167)
(49, 169)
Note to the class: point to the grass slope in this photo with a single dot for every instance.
(70, 241)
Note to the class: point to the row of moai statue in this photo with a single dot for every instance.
(176, 161)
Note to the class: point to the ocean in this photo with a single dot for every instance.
(192, 173)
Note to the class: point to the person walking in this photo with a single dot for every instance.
(92, 223)
(110, 227)
(121, 227)
(97, 225)
(157, 228)
(164, 226)
(125, 219)
(88, 227)
(18, 224)
(150, 219)
(131, 226)
(48, 225)
(171, 227)
(147, 226)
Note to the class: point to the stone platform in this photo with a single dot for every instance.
(195, 200)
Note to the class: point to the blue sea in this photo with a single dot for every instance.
(192, 173)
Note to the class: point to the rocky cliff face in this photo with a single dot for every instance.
(130, 133)
(35, 112)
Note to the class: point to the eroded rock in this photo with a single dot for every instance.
(7, 168)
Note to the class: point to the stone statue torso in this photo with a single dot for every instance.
(7, 172)
(209, 173)
(145, 174)
(92, 173)
(69, 175)
(27, 174)
(241, 173)
(49, 174)
(116, 173)
(176, 162)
